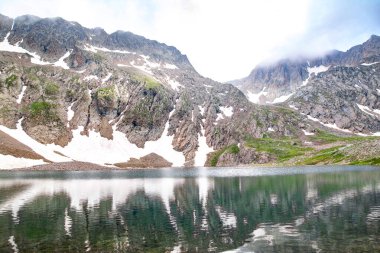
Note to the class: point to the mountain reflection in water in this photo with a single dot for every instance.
(325, 212)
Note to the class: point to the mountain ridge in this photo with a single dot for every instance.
(71, 93)
(286, 75)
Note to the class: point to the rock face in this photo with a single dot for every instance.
(347, 97)
(149, 161)
(273, 83)
(244, 156)
(76, 94)
(10, 146)
(341, 89)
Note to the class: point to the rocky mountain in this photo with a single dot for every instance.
(339, 90)
(69, 93)
(276, 82)
(75, 94)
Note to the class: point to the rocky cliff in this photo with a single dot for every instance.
(69, 93)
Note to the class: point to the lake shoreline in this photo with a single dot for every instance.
(67, 166)
(86, 166)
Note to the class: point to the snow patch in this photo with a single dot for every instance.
(61, 62)
(170, 66)
(10, 162)
(203, 149)
(219, 116)
(143, 67)
(81, 71)
(6, 46)
(91, 77)
(369, 111)
(90, 48)
(282, 98)
(201, 110)
(369, 64)
(306, 132)
(70, 114)
(95, 49)
(255, 97)
(314, 70)
(318, 69)
(119, 149)
(116, 149)
(334, 126)
(19, 42)
(147, 65)
(227, 111)
(19, 99)
(270, 129)
(293, 107)
(107, 78)
(123, 65)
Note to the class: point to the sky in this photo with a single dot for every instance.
(223, 39)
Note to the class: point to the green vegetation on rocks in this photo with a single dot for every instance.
(70, 94)
(149, 82)
(98, 58)
(325, 137)
(373, 161)
(43, 110)
(107, 93)
(10, 80)
(51, 89)
(232, 149)
(284, 149)
(325, 156)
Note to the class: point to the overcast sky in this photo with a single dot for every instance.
(224, 39)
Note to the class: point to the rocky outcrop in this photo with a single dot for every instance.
(242, 156)
(149, 161)
(10, 146)
(345, 96)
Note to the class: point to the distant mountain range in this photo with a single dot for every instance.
(278, 80)
(69, 93)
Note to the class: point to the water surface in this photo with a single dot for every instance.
(302, 209)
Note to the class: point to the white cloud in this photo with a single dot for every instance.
(224, 39)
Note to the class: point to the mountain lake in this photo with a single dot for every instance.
(295, 209)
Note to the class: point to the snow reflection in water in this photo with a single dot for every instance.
(204, 211)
